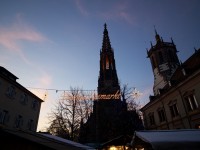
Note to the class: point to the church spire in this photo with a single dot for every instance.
(157, 36)
(107, 75)
(106, 46)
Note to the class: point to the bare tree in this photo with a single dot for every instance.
(74, 108)
(130, 95)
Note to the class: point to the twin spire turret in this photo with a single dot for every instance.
(157, 36)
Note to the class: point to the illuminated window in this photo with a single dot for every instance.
(107, 62)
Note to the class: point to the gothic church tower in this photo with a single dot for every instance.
(164, 61)
(110, 118)
(108, 80)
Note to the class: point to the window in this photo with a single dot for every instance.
(3, 116)
(161, 57)
(107, 63)
(161, 114)
(30, 125)
(151, 118)
(35, 104)
(19, 121)
(191, 102)
(11, 92)
(24, 98)
(153, 62)
(173, 109)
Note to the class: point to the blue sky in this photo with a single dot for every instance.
(55, 44)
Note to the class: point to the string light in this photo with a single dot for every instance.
(56, 90)
(135, 93)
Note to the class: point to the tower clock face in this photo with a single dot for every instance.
(163, 67)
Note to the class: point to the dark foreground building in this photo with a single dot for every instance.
(110, 117)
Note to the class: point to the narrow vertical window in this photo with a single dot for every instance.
(151, 119)
(161, 115)
(161, 57)
(11, 92)
(30, 125)
(3, 116)
(191, 102)
(107, 62)
(24, 99)
(174, 110)
(35, 104)
(153, 62)
(18, 121)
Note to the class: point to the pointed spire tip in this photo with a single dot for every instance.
(105, 26)
(155, 30)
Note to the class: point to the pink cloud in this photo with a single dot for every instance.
(119, 11)
(81, 7)
(10, 36)
(45, 80)
(125, 16)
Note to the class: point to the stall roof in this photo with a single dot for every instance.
(72, 143)
(47, 140)
(169, 139)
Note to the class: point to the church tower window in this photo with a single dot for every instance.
(107, 62)
(161, 57)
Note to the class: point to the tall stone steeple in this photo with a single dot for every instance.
(107, 109)
(164, 61)
(108, 80)
(110, 118)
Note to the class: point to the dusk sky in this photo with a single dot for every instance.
(55, 44)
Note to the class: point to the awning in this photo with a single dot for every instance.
(167, 139)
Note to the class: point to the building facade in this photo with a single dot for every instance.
(19, 108)
(176, 100)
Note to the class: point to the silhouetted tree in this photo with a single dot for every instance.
(129, 95)
(65, 119)
(131, 119)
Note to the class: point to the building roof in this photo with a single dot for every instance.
(11, 78)
(168, 139)
(65, 141)
(46, 140)
(4, 72)
(187, 68)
